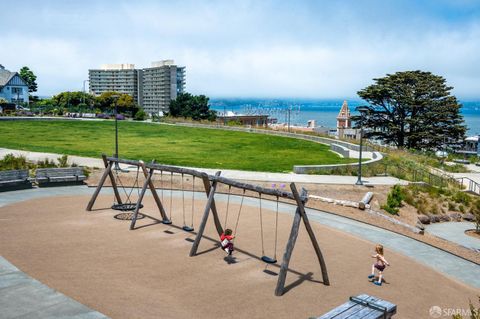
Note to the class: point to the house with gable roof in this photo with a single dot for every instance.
(12, 87)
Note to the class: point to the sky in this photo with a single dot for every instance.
(265, 49)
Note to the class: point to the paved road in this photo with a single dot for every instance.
(234, 174)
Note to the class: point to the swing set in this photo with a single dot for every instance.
(210, 184)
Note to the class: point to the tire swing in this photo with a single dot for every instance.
(128, 205)
(185, 226)
(265, 258)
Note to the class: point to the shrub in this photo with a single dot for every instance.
(10, 162)
(421, 208)
(234, 123)
(462, 198)
(408, 197)
(46, 163)
(140, 115)
(63, 161)
(394, 200)
(434, 209)
(452, 206)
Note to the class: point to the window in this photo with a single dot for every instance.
(17, 91)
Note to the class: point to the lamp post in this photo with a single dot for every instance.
(83, 96)
(114, 97)
(362, 110)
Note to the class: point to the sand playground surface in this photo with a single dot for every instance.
(147, 273)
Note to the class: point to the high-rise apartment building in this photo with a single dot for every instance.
(161, 84)
(152, 88)
(122, 78)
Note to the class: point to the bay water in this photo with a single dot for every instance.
(323, 111)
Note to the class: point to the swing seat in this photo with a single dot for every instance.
(269, 260)
(166, 221)
(188, 228)
(125, 206)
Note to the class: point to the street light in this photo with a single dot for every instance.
(362, 110)
(115, 97)
(83, 97)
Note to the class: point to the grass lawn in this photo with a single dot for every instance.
(175, 145)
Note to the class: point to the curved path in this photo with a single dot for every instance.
(444, 262)
(229, 173)
(455, 232)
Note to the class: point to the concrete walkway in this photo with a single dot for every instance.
(24, 297)
(444, 262)
(455, 232)
(234, 174)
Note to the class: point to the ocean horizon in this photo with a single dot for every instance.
(323, 111)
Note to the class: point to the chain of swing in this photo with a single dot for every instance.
(265, 258)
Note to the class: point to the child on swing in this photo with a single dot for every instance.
(379, 265)
(226, 240)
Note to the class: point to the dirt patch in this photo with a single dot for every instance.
(147, 273)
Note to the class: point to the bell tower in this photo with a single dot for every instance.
(343, 118)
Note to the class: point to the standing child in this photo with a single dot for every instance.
(379, 265)
(226, 239)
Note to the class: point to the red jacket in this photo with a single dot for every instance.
(223, 237)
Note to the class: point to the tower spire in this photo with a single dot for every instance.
(343, 118)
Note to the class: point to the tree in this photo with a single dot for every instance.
(140, 115)
(73, 101)
(124, 102)
(3, 101)
(192, 106)
(27, 75)
(412, 109)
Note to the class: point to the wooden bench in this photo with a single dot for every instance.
(14, 179)
(51, 176)
(362, 306)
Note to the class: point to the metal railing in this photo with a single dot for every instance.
(471, 185)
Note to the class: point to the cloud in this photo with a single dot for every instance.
(249, 48)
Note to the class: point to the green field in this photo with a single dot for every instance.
(175, 145)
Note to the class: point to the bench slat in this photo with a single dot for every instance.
(59, 175)
(13, 175)
(352, 309)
